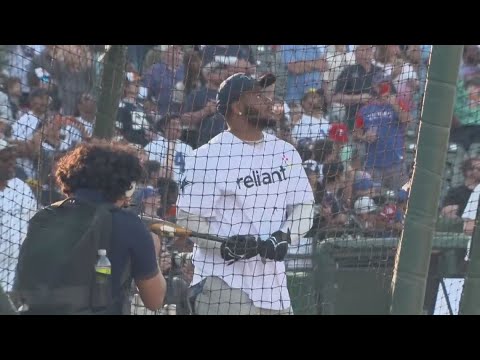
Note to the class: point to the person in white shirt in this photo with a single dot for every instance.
(469, 216)
(17, 206)
(313, 124)
(250, 187)
(169, 151)
(77, 129)
(32, 132)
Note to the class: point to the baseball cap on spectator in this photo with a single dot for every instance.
(143, 194)
(364, 205)
(338, 133)
(232, 88)
(389, 211)
(402, 196)
(365, 184)
(360, 175)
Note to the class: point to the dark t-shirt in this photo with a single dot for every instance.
(197, 99)
(130, 240)
(458, 196)
(129, 118)
(354, 80)
(210, 126)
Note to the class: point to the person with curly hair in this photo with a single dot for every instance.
(103, 175)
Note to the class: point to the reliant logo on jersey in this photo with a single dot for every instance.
(259, 179)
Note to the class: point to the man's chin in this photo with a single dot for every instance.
(263, 122)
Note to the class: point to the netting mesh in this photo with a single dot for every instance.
(339, 128)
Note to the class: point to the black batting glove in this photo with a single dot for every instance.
(275, 247)
(239, 247)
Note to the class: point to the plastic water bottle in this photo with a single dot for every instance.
(103, 287)
(103, 268)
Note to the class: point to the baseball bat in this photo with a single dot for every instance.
(163, 227)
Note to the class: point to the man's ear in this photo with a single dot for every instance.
(237, 107)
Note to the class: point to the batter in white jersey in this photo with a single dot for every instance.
(244, 182)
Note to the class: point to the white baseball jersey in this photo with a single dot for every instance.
(158, 149)
(71, 135)
(242, 188)
(310, 127)
(17, 206)
(470, 212)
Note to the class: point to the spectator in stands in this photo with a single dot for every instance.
(14, 91)
(6, 117)
(194, 77)
(395, 214)
(331, 194)
(366, 212)
(457, 198)
(471, 60)
(17, 205)
(168, 188)
(365, 187)
(380, 125)
(237, 58)
(404, 77)
(132, 121)
(73, 73)
(354, 84)
(149, 201)
(467, 112)
(6, 107)
(306, 64)
(337, 58)
(78, 128)
(313, 124)
(354, 175)
(33, 133)
(164, 79)
(323, 153)
(199, 108)
(153, 171)
(169, 150)
(86, 112)
(136, 55)
(19, 60)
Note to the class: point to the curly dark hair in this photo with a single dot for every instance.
(100, 165)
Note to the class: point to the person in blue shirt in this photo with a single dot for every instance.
(164, 80)
(380, 124)
(107, 172)
(305, 65)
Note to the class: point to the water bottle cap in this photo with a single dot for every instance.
(102, 252)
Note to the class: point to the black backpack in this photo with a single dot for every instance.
(56, 266)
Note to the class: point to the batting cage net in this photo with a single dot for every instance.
(280, 190)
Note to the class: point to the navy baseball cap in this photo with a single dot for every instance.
(232, 87)
(365, 184)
